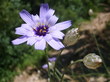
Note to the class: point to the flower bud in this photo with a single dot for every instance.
(90, 12)
(92, 61)
(71, 37)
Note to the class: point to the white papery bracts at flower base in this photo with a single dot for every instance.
(92, 61)
(71, 37)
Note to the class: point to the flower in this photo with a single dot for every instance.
(51, 62)
(41, 29)
(52, 59)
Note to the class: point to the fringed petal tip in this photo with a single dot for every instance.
(44, 5)
(26, 16)
(43, 9)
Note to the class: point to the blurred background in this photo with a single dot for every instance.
(90, 16)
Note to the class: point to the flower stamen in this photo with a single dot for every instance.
(44, 31)
(41, 30)
(44, 27)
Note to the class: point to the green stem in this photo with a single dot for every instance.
(58, 57)
(57, 61)
(47, 63)
(56, 74)
(61, 75)
(100, 54)
(62, 78)
(77, 61)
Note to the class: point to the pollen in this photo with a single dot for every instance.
(43, 24)
(40, 30)
(38, 24)
(44, 27)
(44, 31)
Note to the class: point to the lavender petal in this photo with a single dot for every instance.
(56, 44)
(53, 19)
(35, 18)
(48, 37)
(20, 40)
(52, 59)
(49, 13)
(45, 66)
(57, 34)
(40, 45)
(23, 31)
(43, 9)
(27, 27)
(31, 40)
(26, 16)
(63, 25)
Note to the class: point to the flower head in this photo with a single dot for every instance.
(41, 29)
(92, 61)
(71, 37)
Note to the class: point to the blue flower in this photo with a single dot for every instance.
(51, 62)
(41, 29)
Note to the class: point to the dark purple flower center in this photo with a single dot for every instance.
(41, 30)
